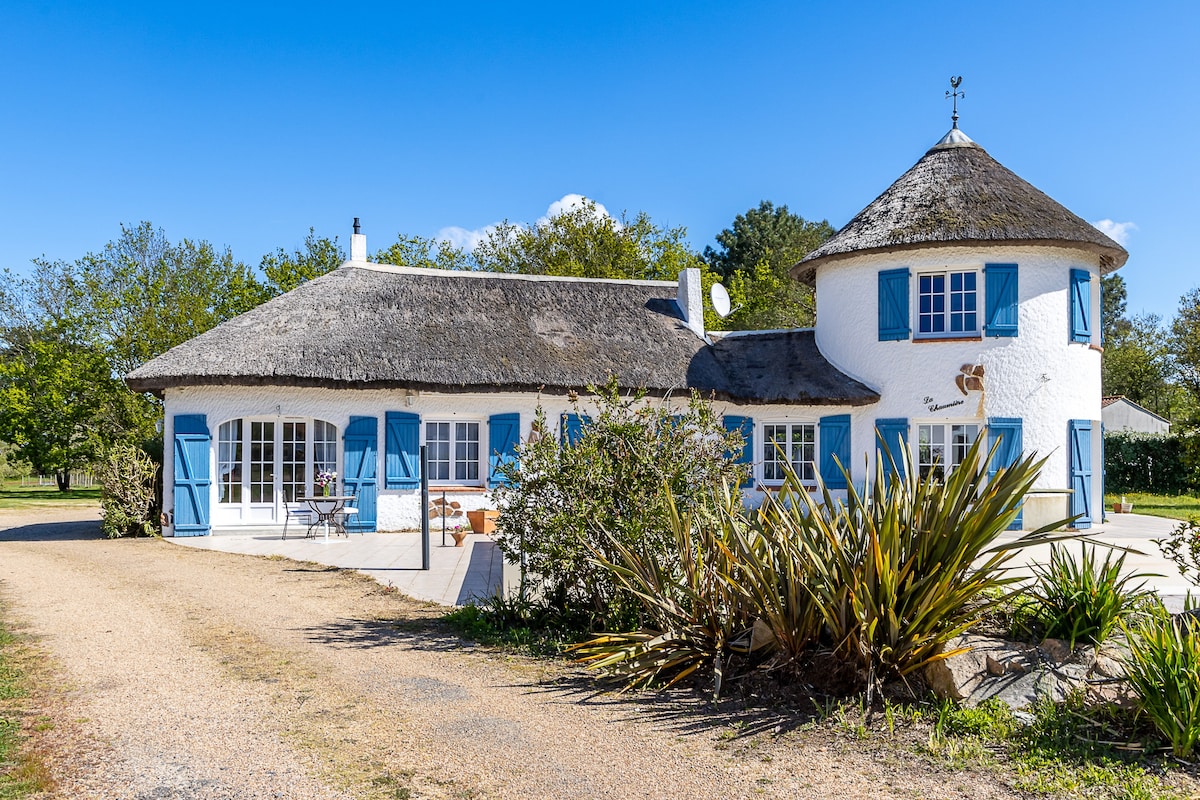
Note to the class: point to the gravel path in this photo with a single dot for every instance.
(186, 674)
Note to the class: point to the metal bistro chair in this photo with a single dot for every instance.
(302, 513)
(345, 514)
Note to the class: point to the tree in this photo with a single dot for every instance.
(417, 251)
(1112, 308)
(59, 402)
(1138, 363)
(285, 271)
(583, 242)
(755, 257)
(1185, 343)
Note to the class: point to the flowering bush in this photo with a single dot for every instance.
(1182, 546)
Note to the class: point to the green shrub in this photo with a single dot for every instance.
(568, 503)
(1159, 463)
(1163, 667)
(1182, 547)
(128, 479)
(884, 580)
(1083, 600)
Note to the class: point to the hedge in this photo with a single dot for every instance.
(1157, 463)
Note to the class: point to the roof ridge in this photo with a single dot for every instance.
(399, 269)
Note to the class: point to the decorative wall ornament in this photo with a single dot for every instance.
(969, 378)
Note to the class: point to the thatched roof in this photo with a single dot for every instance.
(374, 326)
(958, 194)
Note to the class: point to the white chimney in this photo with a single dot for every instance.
(690, 299)
(358, 244)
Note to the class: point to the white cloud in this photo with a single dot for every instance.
(462, 238)
(1117, 231)
(467, 239)
(573, 201)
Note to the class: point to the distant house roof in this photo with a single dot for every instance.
(376, 326)
(958, 194)
(1112, 399)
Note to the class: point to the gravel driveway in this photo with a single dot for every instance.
(181, 673)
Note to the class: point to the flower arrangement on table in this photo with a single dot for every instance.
(326, 479)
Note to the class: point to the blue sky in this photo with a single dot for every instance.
(245, 124)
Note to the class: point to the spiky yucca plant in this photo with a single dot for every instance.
(1084, 599)
(1163, 667)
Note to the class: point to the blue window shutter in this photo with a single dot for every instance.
(402, 451)
(893, 433)
(504, 432)
(1006, 431)
(744, 426)
(1081, 306)
(1079, 445)
(571, 428)
(192, 481)
(359, 471)
(1000, 287)
(835, 441)
(893, 305)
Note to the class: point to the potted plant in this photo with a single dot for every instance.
(1123, 507)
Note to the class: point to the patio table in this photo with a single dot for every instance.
(328, 508)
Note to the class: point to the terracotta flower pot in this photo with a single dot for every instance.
(459, 537)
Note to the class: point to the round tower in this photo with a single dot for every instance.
(970, 300)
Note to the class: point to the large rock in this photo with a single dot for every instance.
(1019, 674)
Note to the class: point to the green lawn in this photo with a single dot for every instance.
(1159, 505)
(15, 496)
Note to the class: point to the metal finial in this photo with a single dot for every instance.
(357, 227)
(955, 93)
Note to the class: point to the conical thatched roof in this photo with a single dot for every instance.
(373, 326)
(958, 194)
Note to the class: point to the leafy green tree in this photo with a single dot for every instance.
(583, 242)
(59, 402)
(285, 271)
(1185, 342)
(755, 257)
(417, 251)
(1113, 297)
(1138, 362)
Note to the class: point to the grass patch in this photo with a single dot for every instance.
(525, 627)
(14, 496)
(23, 773)
(1158, 505)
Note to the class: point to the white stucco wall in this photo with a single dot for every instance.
(397, 509)
(1039, 376)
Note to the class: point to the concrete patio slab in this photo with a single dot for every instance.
(456, 575)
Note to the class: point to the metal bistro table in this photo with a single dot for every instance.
(328, 509)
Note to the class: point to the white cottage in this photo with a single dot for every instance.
(962, 302)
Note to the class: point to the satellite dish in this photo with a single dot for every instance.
(720, 300)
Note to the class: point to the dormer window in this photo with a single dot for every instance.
(947, 304)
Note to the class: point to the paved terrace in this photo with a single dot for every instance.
(458, 575)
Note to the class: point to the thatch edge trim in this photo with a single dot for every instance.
(462, 273)
(157, 388)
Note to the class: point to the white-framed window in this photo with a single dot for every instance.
(948, 303)
(261, 461)
(784, 442)
(942, 445)
(453, 451)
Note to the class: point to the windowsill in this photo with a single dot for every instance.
(1096, 347)
(775, 487)
(927, 339)
(455, 488)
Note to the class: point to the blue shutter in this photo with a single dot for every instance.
(893, 433)
(1080, 446)
(402, 451)
(835, 441)
(1000, 287)
(893, 305)
(359, 471)
(1006, 430)
(504, 432)
(744, 426)
(1081, 306)
(571, 428)
(193, 483)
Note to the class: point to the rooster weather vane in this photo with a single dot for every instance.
(955, 93)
